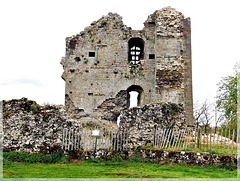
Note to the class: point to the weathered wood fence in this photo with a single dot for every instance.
(188, 139)
(83, 139)
(193, 139)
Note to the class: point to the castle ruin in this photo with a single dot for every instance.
(108, 60)
(102, 66)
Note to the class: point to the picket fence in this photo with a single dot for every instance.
(189, 139)
(83, 139)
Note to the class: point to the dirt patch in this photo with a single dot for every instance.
(118, 174)
(7, 173)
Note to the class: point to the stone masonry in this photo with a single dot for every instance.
(108, 60)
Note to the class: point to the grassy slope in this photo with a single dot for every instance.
(86, 169)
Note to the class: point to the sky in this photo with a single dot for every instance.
(32, 41)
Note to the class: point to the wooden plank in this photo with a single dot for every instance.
(66, 139)
(207, 139)
(69, 137)
(210, 141)
(221, 139)
(225, 147)
(183, 138)
(120, 141)
(117, 141)
(63, 134)
(72, 139)
(161, 132)
(166, 137)
(188, 134)
(179, 139)
(75, 140)
(217, 139)
(170, 138)
(196, 130)
(228, 140)
(233, 141)
(198, 138)
(175, 144)
(162, 137)
(237, 145)
(127, 142)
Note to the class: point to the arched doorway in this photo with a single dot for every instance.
(134, 96)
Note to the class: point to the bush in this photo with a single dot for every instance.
(56, 157)
(230, 166)
(34, 109)
(135, 158)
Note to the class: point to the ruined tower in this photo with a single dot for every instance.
(108, 60)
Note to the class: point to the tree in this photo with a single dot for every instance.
(219, 118)
(203, 114)
(227, 99)
(198, 112)
(227, 96)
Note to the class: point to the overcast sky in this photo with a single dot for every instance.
(33, 41)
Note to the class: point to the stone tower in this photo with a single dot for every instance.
(108, 60)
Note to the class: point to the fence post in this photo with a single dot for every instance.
(228, 140)
(165, 138)
(154, 135)
(63, 139)
(198, 138)
(221, 139)
(217, 139)
(233, 140)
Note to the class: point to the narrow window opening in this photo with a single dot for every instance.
(151, 56)
(135, 50)
(91, 54)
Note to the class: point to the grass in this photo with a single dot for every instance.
(204, 147)
(113, 169)
(214, 149)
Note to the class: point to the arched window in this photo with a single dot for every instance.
(134, 96)
(135, 50)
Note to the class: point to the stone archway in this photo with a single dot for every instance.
(137, 90)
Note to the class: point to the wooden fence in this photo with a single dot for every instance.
(193, 139)
(83, 139)
(188, 139)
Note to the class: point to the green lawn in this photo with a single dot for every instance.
(110, 169)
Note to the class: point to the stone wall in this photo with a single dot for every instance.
(190, 158)
(30, 127)
(140, 122)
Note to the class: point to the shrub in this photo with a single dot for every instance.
(55, 157)
(230, 166)
(7, 114)
(135, 158)
(34, 109)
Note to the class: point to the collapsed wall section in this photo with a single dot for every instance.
(30, 127)
(140, 123)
